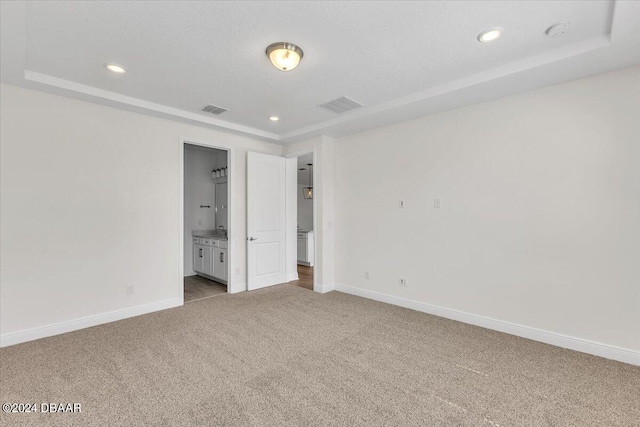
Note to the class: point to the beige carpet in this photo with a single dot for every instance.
(286, 356)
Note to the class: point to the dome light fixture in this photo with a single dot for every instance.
(274, 118)
(284, 56)
(490, 35)
(115, 68)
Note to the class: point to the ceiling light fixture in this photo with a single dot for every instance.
(115, 68)
(284, 56)
(490, 35)
(274, 118)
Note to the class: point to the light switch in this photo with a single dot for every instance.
(401, 204)
(436, 203)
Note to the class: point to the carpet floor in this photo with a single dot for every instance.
(286, 356)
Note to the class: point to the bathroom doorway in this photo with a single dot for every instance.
(206, 222)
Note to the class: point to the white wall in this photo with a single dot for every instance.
(91, 203)
(540, 216)
(305, 209)
(199, 189)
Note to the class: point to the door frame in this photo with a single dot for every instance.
(316, 263)
(232, 231)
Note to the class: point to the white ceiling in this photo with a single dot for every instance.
(399, 59)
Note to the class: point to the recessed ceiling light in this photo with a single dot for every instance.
(274, 118)
(284, 56)
(115, 68)
(490, 35)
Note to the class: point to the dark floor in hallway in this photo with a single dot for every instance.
(305, 277)
(197, 287)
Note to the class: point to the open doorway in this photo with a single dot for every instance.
(305, 222)
(206, 222)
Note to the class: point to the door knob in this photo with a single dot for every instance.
(251, 239)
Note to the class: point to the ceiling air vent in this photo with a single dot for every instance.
(213, 109)
(341, 105)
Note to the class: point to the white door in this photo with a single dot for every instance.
(265, 220)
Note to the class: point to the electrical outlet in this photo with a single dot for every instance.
(401, 203)
(367, 275)
(436, 203)
(404, 282)
(129, 289)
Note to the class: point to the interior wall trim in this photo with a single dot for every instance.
(85, 322)
(45, 82)
(234, 288)
(323, 289)
(125, 102)
(559, 340)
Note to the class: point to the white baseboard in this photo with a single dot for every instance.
(85, 322)
(234, 288)
(323, 289)
(578, 344)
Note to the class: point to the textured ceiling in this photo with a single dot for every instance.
(185, 55)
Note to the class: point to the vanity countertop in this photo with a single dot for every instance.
(208, 234)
